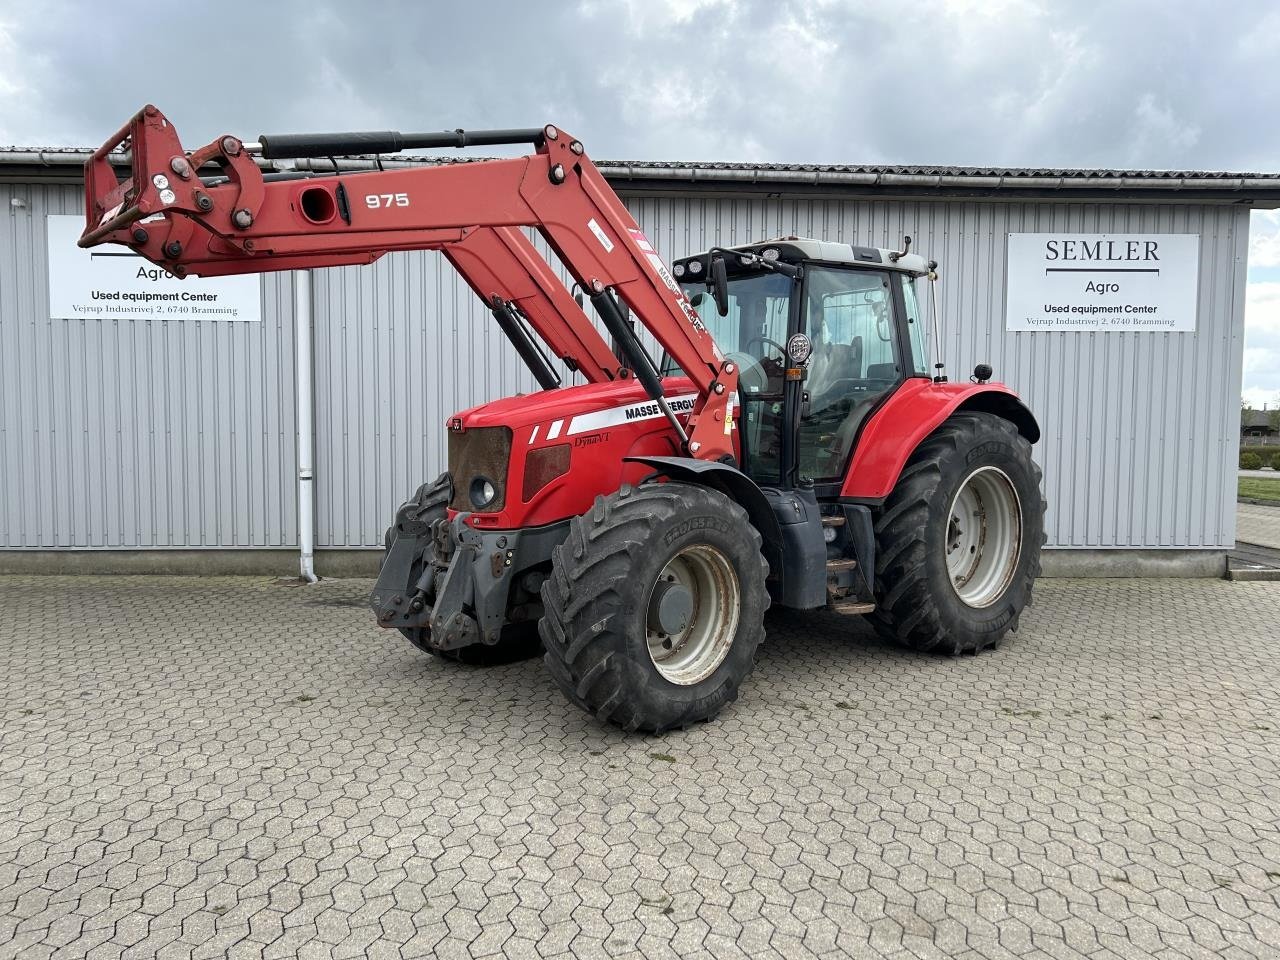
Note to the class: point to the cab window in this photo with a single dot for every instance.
(850, 318)
(753, 335)
(915, 325)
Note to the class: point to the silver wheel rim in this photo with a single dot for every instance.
(983, 537)
(690, 655)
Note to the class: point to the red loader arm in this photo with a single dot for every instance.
(245, 222)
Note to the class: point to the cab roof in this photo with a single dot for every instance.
(827, 251)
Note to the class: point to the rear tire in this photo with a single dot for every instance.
(655, 606)
(519, 641)
(958, 540)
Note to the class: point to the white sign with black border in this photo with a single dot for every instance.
(110, 282)
(1107, 282)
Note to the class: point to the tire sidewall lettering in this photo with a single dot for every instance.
(684, 528)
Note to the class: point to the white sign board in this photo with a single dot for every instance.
(111, 282)
(1103, 281)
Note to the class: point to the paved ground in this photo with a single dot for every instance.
(234, 767)
(1266, 473)
(1258, 524)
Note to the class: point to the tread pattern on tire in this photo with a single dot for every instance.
(906, 611)
(582, 600)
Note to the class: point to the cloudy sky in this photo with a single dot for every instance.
(1137, 84)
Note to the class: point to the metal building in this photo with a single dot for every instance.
(123, 441)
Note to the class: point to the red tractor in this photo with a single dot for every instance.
(789, 446)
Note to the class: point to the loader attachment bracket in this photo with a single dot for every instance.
(456, 580)
(161, 180)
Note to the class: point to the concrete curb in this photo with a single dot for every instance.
(1254, 574)
(270, 562)
(275, 562)
(1259, 503)
(1094, 563)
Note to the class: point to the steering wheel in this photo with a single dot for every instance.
(773, 343)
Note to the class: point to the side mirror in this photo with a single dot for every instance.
(718, 278)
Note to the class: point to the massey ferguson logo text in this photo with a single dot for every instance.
(640, 411)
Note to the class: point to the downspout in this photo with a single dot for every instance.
(306, 425)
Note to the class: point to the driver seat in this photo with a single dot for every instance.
(831, 364)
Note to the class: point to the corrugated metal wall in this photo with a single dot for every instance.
(1140, 429)
(182, 435)
(132, 434)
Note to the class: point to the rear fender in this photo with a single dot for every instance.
(910, 414)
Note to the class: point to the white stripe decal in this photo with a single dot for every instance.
(555, 430)
(534, 436)
(613, 416)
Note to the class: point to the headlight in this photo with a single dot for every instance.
(483, 492)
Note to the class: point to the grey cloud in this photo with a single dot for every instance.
(1019, 84)
(949, 81)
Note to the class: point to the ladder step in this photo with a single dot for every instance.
(840, 566)
(833, 521)
(852, 607)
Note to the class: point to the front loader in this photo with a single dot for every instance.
(789, 446)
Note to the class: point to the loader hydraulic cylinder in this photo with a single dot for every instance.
(510, 324)
(625, 337)
(282, 146)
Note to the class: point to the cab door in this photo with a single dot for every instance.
(854, 319)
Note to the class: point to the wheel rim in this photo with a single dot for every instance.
(984, 536)
(692, 614)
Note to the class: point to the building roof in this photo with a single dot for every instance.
(888, 181)
(1256, 418)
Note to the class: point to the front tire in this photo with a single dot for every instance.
(655, 606)
(958, 540)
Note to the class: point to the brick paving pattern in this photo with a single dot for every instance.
(233, 767)
(1258, 524)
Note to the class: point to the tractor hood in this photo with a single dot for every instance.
(527, 461)
(573, 407)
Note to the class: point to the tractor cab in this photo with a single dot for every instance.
(822, 334)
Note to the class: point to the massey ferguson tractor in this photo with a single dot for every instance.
(789, 446)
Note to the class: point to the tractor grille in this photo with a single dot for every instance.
(479, 452)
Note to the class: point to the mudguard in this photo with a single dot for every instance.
(911, 413)
(734, 484)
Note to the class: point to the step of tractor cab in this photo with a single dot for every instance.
(840, 579)
(850, 608)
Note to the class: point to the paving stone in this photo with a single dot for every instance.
(234, 767)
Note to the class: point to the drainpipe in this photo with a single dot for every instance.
(306, 425)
